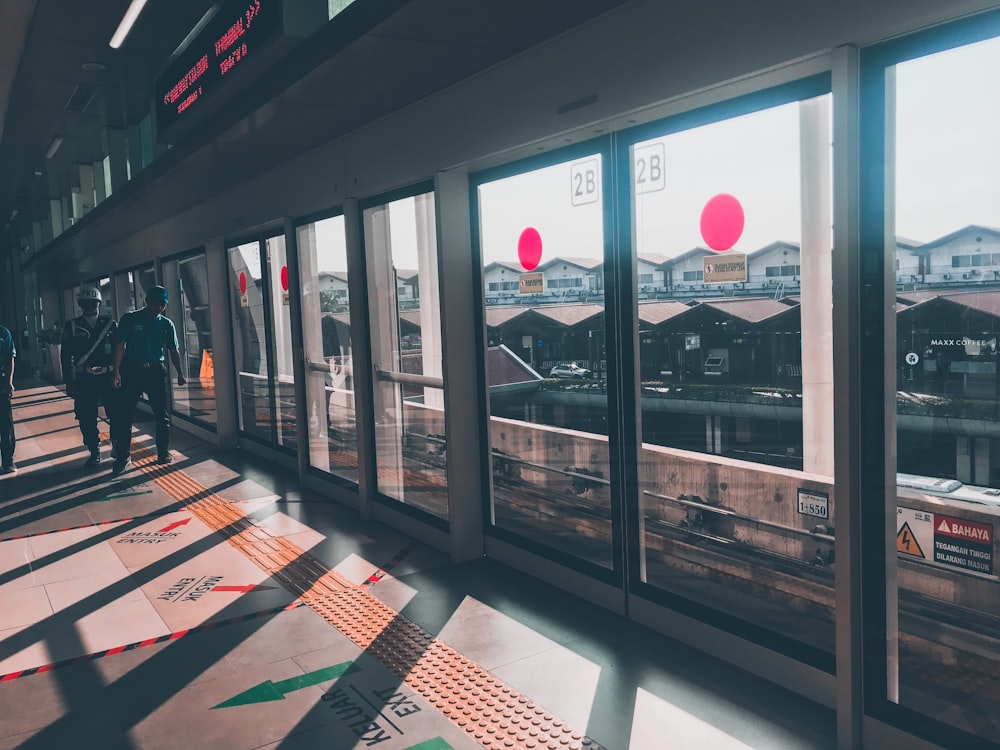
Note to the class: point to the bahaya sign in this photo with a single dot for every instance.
(722, 268)
(529, 283)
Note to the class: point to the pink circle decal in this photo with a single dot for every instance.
(284, 278)
(722, 222)
(529, 248)
(243, 283)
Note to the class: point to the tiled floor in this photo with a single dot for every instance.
(206, 649)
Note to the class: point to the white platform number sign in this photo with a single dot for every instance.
(585, 181)
(647, 168)
(813, 503)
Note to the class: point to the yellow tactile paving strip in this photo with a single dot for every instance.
(487, 709)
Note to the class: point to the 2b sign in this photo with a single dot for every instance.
(647, 168)
(585, 182)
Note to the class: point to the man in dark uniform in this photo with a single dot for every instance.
(140, 367)
(7, 355)
(87, 342)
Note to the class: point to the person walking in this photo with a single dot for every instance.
(8, 353)
(138, 366)
(87, 343)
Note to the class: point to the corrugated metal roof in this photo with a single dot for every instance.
(498, 316)
(512, 265)
(506, 368)
(652, 258)
(969, 230)
(750, 309)
(569, 315)
(585, 263)
(655, 313)
(985, 301)
(411, 316)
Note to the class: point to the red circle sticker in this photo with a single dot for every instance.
(722, 222)
(529, 248)
(243, 283)
(284, 278)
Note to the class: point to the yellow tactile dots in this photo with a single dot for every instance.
(491, 712)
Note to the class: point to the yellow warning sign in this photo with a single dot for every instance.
(907, 543)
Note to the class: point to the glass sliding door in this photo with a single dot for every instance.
(253, 373)
(542, 240)
(124, 288)
(281, 343)
(327, 330)
(935, 248)
(405, 312)
(186, 280)
(731, 231)
(145, 277)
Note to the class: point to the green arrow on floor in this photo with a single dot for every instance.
(275, 691)
(436, 744)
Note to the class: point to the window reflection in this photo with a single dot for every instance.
(411, 442)
(249, 340)
(186, 280)
(542, 236)
(281, 331)
(326, 329)
(732, 257)
(943, 585)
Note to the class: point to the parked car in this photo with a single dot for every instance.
(569, 370)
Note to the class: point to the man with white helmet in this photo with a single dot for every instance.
(87, 347)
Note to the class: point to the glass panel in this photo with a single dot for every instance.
(735, 356)
(326, 329)
(144, 279)
(69, 303)
(281, 321)
(335, 7)
(125, 292)
(542, 235)
(249, 342)
(107, 297)
(944, 626)
(411, 444)
(186, 281)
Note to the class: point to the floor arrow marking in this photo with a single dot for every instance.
(435, 744)
(275, 691)
(175, 525)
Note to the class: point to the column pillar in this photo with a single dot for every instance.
(816, 287)
(468, 443)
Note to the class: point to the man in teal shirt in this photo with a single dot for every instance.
(140, 367)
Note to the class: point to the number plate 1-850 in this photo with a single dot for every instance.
(812, 503)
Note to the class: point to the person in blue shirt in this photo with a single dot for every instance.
(8, 353)
(140, 367)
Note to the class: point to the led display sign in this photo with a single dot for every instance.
(236, 33)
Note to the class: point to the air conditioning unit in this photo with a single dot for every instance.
(947, 277)
(965, 275)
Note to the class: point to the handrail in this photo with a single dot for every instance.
(408, 378)
(542, 467)
(324, 366)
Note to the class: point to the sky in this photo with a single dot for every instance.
(947, 150)
(947, 176)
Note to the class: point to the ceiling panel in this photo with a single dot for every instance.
(375, 58)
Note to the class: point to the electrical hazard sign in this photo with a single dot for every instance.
(907, 543)
(914, 532)
(959, 543)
